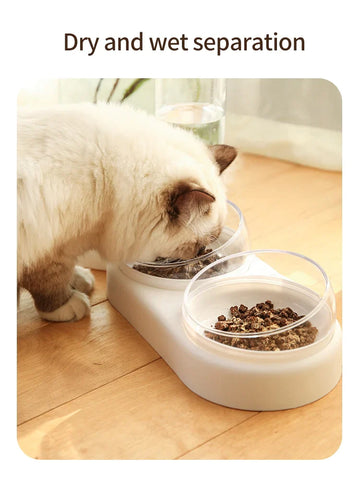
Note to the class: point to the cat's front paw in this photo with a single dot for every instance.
(77, 307)
(82, 280)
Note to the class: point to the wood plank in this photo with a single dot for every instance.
(99, 294)
(148, 414)
(291, 207)
(64, 360)
(309, 432)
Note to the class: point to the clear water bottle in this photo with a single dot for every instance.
(196, 104)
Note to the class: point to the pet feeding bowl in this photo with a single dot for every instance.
(233, 238)
(177, 317)
(260, 379)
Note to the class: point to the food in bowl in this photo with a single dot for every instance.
(261, 318)
(176, 269)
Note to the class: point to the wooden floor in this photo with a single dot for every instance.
(94, 389)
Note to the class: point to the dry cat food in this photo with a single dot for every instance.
(263, 317)
(186, 271)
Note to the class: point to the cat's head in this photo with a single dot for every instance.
(192, 208)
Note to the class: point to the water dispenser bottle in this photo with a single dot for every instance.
(196, 104)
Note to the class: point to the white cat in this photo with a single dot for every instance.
(109, 178)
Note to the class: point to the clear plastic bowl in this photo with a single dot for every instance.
(285, 278)
(233, 238)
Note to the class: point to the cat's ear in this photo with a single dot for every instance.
(223, 155)
(188, 200)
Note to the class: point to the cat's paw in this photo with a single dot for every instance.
(82, 280)
(77, 307)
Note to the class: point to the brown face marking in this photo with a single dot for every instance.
(185, 197)
(216, 232)
(191, 249)
(187, 250)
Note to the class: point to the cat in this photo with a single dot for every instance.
(114, 179)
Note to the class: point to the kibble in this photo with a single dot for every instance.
(186, 271)
(260, 318)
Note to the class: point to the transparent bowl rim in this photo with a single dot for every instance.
(202, 257)
(266, 333)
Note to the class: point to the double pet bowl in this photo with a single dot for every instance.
(175, 307)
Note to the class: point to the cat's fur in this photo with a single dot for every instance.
(113, 179)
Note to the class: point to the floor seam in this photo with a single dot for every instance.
(89, 391)
(218, 435)
(99, 301)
